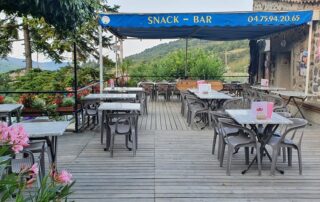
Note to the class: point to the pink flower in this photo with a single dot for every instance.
(30, 182)
(64, 177)
(17, 148)
(34, 169)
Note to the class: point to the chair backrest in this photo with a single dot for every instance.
(129, 120)
(227, 123)
(148, 89)
(296, 130)
(277, 100)
(215, 115)
(162, 87)
(90, 107)
(236, 103)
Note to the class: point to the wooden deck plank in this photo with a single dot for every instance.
(175, 164)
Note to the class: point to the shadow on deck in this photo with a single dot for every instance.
(174, 163)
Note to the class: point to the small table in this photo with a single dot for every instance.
(246, 117)
(116, 106)
(45, 130)
(211, 96)
(9, 109)
(111, 97)
(268, 88)
(124, 89)
(293, 95)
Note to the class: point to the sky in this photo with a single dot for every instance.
(157, 6)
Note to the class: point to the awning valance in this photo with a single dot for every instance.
(210, 26)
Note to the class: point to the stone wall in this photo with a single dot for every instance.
(315, 70)
(271, 5)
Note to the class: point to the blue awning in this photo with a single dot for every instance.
(209, 26)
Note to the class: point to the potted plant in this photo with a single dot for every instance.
(2, 98)
(26, 100)
(56, 186)
(67, 105)
(9, 100)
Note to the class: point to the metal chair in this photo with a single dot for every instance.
(196, 108)
(25, 159)
(90, 108)
(124, 124)
(294, 142)
(162, 89)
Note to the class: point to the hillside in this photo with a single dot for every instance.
(236, 52)
(10, 64)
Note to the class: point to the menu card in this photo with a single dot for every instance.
(204, 88)
(264, 82)
(262, 110)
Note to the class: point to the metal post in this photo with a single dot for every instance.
(75, 86)
(121, 51)
(186, 60)
(100, 59)
(309, 57)
(116, 52)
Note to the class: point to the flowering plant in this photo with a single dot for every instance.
(26, 100)
(54, 187)
(12, 139)
(1, 99)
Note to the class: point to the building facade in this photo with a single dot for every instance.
(285, 64)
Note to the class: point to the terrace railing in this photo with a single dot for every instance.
(75, 110)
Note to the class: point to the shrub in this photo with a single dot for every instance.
(9, 100)
(38, 103)
(67, 102)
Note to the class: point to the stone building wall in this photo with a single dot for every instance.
(297, 43)
(278, 5)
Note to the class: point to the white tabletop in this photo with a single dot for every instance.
(124, 89)
(293, 94)
(119, 106)
(195, 90)
(268, 88)
(110, 96)
(5, 108)
(213, 96)
(245, 116)
(43, 129)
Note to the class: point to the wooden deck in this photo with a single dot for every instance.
(174, 163)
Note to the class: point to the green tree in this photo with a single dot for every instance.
(55, 35)
(204, 66)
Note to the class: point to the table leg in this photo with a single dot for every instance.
(54, 146)
(10, 120)
(298, 107)
(101, 127)
(108, 134)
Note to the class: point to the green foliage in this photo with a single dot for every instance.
(204, 66)
(200, 64)
(38, 103)
(237, 52)
(64, 15)
(9, 100)
(67, 102)
(8, 32)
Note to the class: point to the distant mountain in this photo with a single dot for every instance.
(235, 52)
(10, 64)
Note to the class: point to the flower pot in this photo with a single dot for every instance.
(65, 109)
(32, 111)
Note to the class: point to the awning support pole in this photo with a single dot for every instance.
(309, 57)
(75, 86)
(186, 60)
(100, 59)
